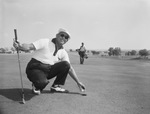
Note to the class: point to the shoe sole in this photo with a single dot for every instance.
(54, 91)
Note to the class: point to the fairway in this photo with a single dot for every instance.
(113, 86)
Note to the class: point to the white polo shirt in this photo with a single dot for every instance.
(45, 50)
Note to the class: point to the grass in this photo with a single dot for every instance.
(113, 86)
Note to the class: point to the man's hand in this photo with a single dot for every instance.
(16, 44)
(81, 87)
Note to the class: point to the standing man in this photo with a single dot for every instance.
(82, 52)
(49, 60)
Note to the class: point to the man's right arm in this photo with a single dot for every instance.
(24, 46)
(27, 47)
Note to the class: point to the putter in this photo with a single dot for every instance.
(23, 100)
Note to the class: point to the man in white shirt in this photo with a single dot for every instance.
(49, 60)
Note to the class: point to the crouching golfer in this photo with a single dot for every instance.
(49, 60)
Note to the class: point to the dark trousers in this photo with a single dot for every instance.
(39, 73)
(82, 54)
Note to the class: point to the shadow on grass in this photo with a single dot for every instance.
(15, 94)
(70, 92)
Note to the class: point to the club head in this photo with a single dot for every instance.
(23, 101)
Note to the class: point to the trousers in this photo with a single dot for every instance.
(82, 54)
(40, 74)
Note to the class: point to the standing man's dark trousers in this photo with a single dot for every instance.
(82, 54)
(39, 73)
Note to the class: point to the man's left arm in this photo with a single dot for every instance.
(74, 76)
(72, 72)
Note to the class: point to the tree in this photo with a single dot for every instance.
(110, 51)
(12, 49)
(143, 52)
(133, 52)
(128, 53)
(71, 50)
(2, 50)
(95, 52)
(117, 51)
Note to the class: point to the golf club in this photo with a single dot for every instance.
(23, 100)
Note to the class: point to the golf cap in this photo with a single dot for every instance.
(64, 31)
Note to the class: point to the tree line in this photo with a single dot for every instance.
(117, 51)
(111, 51)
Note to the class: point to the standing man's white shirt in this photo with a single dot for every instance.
(45, 49)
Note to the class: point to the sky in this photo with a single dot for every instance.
(100, 24)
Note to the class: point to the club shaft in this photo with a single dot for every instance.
(22, 88)
(15, 32)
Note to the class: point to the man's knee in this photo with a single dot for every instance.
(38, 78)
(66, 64)
(41, 84)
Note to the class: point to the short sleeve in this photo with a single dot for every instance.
(39, 44)
(63, 55)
